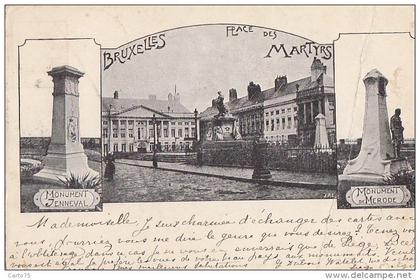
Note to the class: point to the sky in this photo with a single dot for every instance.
(355, 56)
(202, 60)
(37, 57)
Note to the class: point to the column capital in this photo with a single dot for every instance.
(66, 80)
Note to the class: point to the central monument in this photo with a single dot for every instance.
(65, 154)
(222, 126)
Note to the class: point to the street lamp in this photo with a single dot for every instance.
(155, 163)
(196, 125)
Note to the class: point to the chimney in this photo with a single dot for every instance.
(280, 82)
(233, 95)
(254, 90)
(317, 68)
(177, 98)
(152, 97)
(116, 94)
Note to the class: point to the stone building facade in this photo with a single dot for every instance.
(127, 124)
(284, 112)
(317, 97)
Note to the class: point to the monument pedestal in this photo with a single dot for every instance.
(259, 156)
(59, 166)
(65, 156)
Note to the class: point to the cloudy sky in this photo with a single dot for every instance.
(36, 87)
(355, 56)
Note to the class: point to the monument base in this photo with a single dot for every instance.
(346, 181)
(389, 168)
(60, 166)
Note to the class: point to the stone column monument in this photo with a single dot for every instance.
(376, 159)
(65, 154)
(321, 135)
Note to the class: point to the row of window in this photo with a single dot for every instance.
(182, 132)
(277, 138)
(165, 147)
(283, 111)
(271, 125)
(131, 122)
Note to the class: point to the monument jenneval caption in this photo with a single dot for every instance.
(56, 168)
(218, 112)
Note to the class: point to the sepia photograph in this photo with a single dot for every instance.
(218, 112)
(60, 145)
(376, 149)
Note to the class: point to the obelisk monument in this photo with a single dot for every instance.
(65, 154)
(321, 135)
(376, 159)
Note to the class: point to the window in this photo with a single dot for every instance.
(277, 112)
(130, 122)
(267, 124)
(139, 133)
(105, 122)
(283, 123)
(289, 110)
(295, 122)
(123, 148)
(115, 147)
(289, 122)
(193, 132)
(114, 122)
(151, 134)
(266, 114)
(165, 132)
(187, 132)
(295, 109)
(277, 124)
(130, 133)
(272, 125)
(180, 132)
(115, 133)
(105, 132)
(173, 132)
(173, 123)
(272, 112)
(283, 111)
(122, 132)
(131, 147)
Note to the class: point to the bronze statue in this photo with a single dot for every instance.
(397, 132)
(218, 102)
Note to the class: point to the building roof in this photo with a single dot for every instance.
(289, 88)
(136, 107)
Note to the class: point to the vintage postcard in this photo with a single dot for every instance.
(210, 137)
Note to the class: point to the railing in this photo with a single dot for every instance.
(280, 157)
